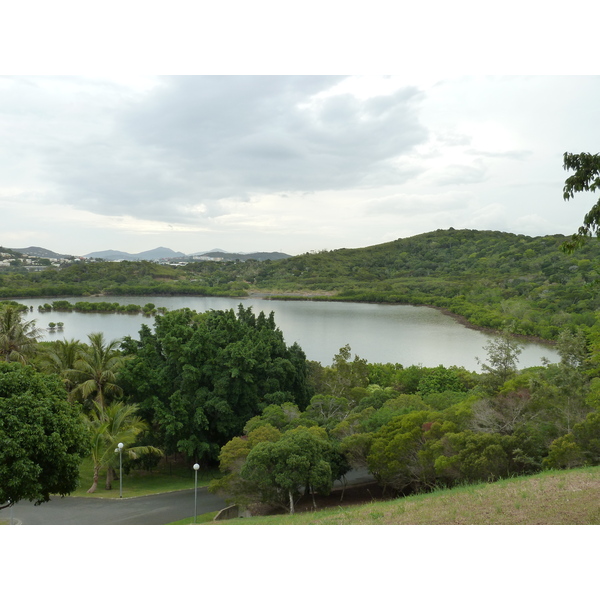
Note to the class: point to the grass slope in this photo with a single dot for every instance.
(164, 478)
(549, 498)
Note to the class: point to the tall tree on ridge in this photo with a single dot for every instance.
(585, 179)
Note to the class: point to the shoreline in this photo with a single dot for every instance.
(458, 318)
(323, 296)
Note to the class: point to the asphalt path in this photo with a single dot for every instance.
(157, 509)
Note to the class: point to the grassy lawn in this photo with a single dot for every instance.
(549, 498)
(164, 478)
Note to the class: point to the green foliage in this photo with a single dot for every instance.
(110, 425)
(95, 370)
(274, 415)
(300, 458)
(59, 358)
(200, 377)
(42, 439)
(577, 448)
(440, 379)
(502, 354)
(467, 456)
(460, 431)
(18, 338)
(564, 453)
(446, 399)
(398, 456)
(585, 179)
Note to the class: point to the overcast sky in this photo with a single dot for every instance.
(286, 163)
(301, 160)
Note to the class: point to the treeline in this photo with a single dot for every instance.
(148, 309)
(119, 279)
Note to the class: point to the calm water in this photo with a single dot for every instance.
(378, 333)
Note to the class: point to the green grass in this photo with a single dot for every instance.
(549, 498)
(165, 478)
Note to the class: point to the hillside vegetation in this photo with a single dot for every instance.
(548, 498)
(490, 278)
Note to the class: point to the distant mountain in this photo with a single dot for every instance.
(40, 252)
(155, 254)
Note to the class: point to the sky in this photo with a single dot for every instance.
(129, 125)
(289, 163)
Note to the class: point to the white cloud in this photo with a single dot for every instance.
(292, 163)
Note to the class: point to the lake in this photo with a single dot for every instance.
(378, 333)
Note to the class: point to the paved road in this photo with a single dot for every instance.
(158, 509)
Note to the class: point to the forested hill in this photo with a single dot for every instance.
(491, 278)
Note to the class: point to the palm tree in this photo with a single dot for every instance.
(109, 426)
(59, 359)
(96, 369)
(18, 338)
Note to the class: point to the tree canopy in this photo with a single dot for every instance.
(42, 438)
(18, 338)
(198, 378)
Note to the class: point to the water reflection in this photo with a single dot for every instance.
(378, 333)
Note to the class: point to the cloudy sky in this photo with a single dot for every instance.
(285, 163)
(468, 131)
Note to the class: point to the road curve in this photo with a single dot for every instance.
(157, 509)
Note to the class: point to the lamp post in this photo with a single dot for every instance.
(119, 449)
(196, 467)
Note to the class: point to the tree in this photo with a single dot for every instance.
(96, 370)
(108, 426)
(42, 439)
(577, 448)
(585, 179)
(397, 455)
(232, 458)
(344, 375)
(199, 378)
(18, 338)
(503, 355)
(469, 456)
(60, 359)
(300, 458)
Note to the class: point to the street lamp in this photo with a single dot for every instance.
(119, 449)
(196, 467)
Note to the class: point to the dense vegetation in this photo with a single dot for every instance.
(199, 377)
(490, 278)
(42, 439)
(222, 387)
(416, 428)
